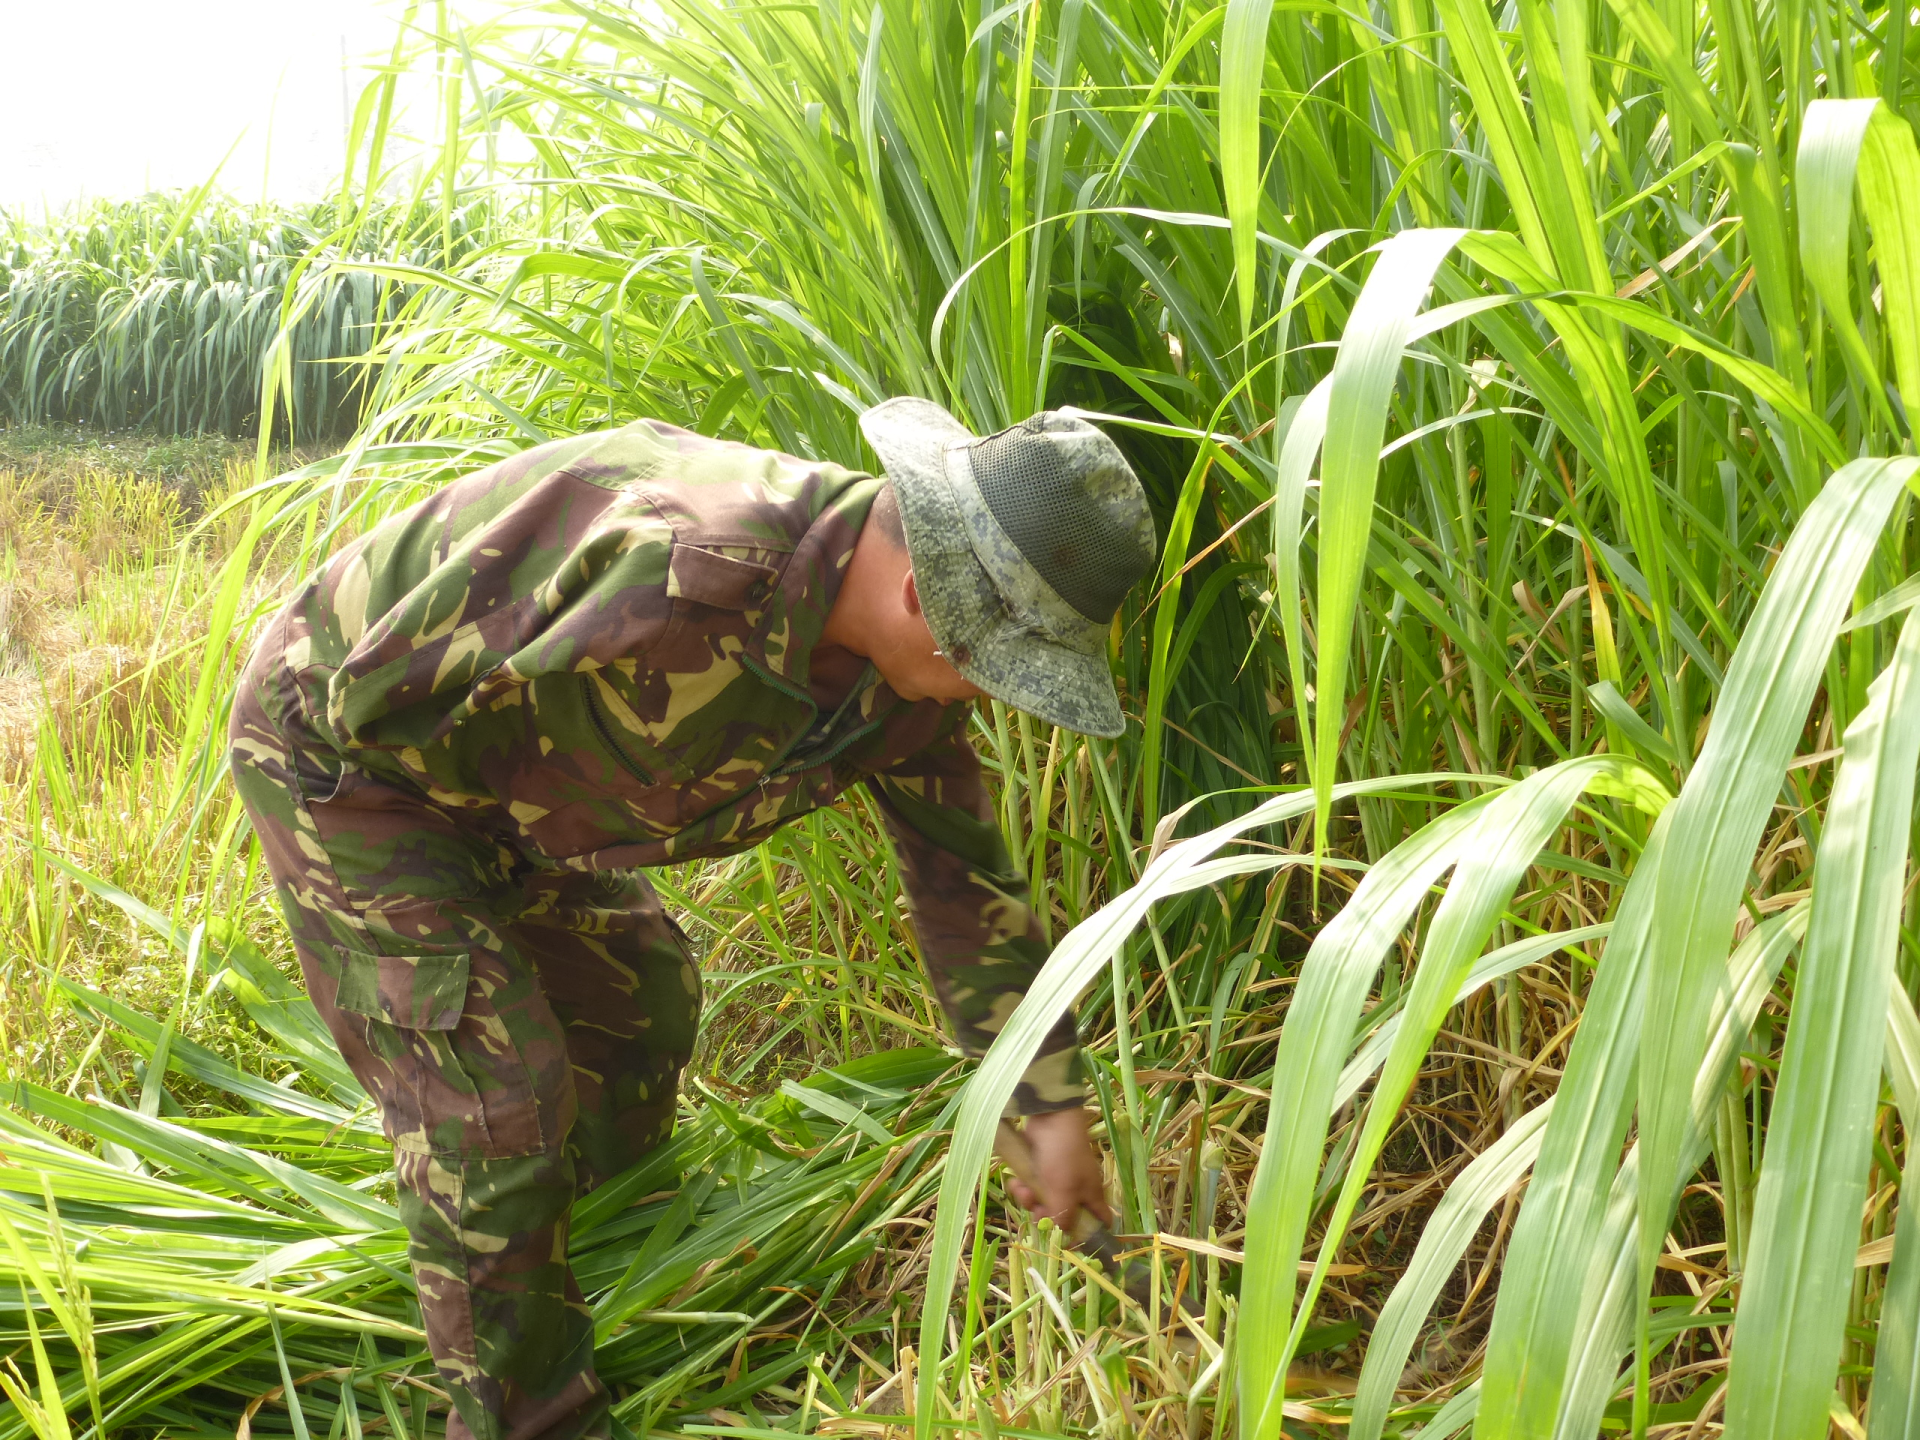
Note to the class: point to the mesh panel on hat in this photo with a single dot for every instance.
(1086, 546)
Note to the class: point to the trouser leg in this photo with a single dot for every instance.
(619, 976)
(442, 1017)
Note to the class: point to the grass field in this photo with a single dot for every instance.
(165, 314)
(1495, 931)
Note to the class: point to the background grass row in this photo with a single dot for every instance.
(160, 314)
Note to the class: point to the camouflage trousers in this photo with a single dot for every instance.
(522, 1034)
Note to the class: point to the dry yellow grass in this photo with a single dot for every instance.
(67, 634)
(103, 587)
(90, 534)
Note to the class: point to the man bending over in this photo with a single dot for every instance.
(463, 743)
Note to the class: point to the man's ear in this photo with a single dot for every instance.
(910, 593)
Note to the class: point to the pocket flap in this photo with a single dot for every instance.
(709, 578)
(416, 992)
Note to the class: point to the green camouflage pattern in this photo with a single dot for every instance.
(459, 745)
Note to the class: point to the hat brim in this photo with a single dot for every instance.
(970, 622)
(1063, 687)
(910, 435)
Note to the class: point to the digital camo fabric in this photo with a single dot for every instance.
(1025, 544)
(460, 741)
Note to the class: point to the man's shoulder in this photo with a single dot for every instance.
(656, 451)
(723, 494)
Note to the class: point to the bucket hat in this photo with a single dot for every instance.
(1023, 545)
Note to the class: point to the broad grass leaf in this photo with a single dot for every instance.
(1813, 1180)
(214, 1163)
(1719, 815)
(1890, 192)
(1243, 58)
(1364, 371)
(1558, 1236)
(1831, 133)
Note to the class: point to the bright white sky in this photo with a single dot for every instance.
(115, 97)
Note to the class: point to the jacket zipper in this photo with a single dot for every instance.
(599, 718)
(845, 743)
(797, 694)
(777, 766)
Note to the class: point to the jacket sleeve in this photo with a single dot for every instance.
(971, 910)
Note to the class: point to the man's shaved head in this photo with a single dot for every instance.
(885, 517)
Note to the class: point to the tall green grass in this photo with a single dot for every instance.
(160, 313)
(1523, 393)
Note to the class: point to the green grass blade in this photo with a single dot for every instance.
(1243, 59)
(1831, 134)
(1558, 1238)
(1364, 371)
(1889, 174)
(1806, 1214)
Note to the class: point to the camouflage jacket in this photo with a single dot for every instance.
(598, 651)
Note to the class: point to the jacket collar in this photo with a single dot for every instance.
(796, 612)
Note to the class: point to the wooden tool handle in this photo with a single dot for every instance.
(1011, 1146)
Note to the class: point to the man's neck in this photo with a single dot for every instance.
(841, 655)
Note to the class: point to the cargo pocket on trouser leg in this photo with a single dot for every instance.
(458, 1014)
(465, 1073)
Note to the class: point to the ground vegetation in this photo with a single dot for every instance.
(1494, 933)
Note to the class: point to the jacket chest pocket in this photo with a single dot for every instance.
(582, 742)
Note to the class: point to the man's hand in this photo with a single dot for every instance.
(1067, 1168)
